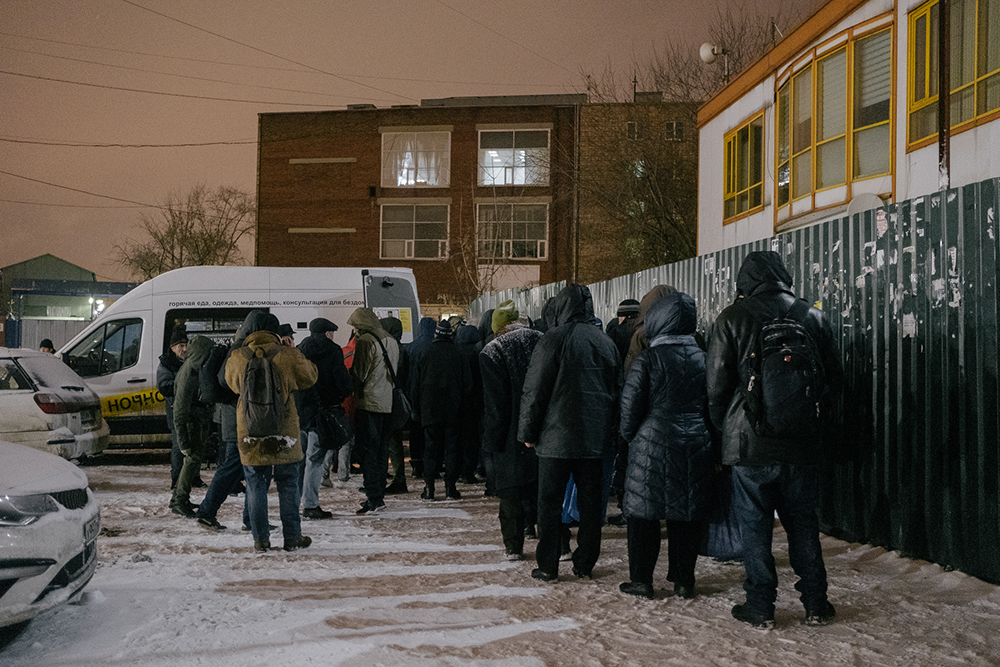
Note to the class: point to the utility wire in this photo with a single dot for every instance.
(181, 76)
(157, 92)
(83, 145)
(498, 34)
(86, 192)
(39, 203)
(273, 55)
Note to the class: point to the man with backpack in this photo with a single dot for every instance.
(265, 374)
(774, 379)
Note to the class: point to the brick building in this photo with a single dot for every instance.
(473, 194)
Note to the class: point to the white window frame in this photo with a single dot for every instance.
(517, 165)
(506, 238)
(416, 158)
(408, 244)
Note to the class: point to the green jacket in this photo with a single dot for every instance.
(372, 381)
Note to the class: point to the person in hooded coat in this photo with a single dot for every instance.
(504, 363)
(274, 456)
(192, 420)
(166, 373)
(443, 379)
(421, 340)
(394, 327)
(671, 465)
(469, 342)
(373, 402)
(333, 385)
(783, 476)
(569, 414)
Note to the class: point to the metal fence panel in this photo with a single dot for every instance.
(911, 292)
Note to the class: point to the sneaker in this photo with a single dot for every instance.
(188, 509)
(580, 574)
(542, 575)
(301, 543)
(260, 546)
(617, 520)
(211, 524)
(637, 589)
(820, 616)
(566, 555)
(453, 493)
(428, 493)
(515, 555)
(317, 512)
(529, 533)
(754, 618)
(368, 508)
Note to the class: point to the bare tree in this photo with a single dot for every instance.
(203, 227)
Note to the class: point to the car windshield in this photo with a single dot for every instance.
(11, 376)
(49, 371)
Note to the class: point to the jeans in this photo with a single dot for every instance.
(314, 462)
(371, 437)
(683, 539)
(226, 477)
(793, 492)
(343, 461)
(553, 475)
(176, 459)
(441, 442)
(286, 478)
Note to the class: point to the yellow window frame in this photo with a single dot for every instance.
(741, 199)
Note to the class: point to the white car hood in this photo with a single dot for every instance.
(25, 471)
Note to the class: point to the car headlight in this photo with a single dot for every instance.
(24, 510)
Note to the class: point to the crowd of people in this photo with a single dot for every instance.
(557, 416)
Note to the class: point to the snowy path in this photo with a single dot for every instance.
(427, 584)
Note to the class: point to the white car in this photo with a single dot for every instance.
(45, 405)
(49, 521)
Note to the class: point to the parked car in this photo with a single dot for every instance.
(49, 521)
(45, 405)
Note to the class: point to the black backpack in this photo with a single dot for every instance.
(262, 401)
(783, 380)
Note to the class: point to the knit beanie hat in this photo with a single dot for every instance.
(628, 308)
(503, 315)
(178, 335)
(443, 330)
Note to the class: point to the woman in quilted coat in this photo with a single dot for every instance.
(664, 417)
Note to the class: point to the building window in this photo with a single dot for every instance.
(823, 125)
(675, 130)
(975, 64)
(512, 231)
(514, 157)
(416, 159)
(632, 131)
(414, 231)
(744, 169)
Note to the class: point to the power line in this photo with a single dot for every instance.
(157, 92)
(498, 34)
(154, 55)
(83, 145)
(181, 76)
(86, 192)
(39, 203)
(259, 50)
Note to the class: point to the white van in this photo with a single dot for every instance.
(119, 352)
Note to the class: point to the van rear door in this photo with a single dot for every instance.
(392, 295)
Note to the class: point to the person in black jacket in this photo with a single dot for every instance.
(333, 385)
(394, 327)
(171, 362)
(664, 417)
(782, 476)
(192, 419)
(469, 342)
(442, 379)
(504, 364)
(569, 413)
(422, 339)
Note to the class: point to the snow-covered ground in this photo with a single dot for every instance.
(427, 584)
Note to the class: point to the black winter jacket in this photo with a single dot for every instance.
(763, 293)
(166, 373)
(504, 364)
(443, 380)
(333, 383)
(664, 416)
(569, 409)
